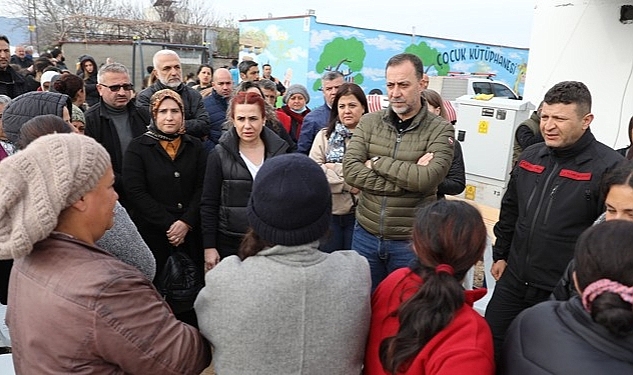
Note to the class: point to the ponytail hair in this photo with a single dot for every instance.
(251, 244)
(603, 271)
(449, 237)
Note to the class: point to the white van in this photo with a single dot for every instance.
(452, 87)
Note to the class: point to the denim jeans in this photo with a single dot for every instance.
(339, 237)
(384, 256)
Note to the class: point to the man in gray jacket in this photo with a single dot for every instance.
(397, 158)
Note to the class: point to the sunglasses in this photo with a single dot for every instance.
(115, 88)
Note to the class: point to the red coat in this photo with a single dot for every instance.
(462, 347)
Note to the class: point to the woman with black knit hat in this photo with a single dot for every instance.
(163, 171)
(422, 319)
(282, 306)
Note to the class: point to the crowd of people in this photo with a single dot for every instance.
(225, 224)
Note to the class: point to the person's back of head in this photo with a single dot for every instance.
(39, 126)
(31, 104)
(40, 182)
(449, 237)
(603, 273)
(245, 65)
(277, 214)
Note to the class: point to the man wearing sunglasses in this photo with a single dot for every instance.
(115, 120)
(12, 84)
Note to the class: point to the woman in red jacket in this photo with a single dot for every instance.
(422, 320)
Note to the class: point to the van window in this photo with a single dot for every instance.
(502, 91)
(482, 88)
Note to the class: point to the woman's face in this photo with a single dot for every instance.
(169, 117)
(100, 201)
(619, 203)
(89, 66)
(249, 121)
(205, 76)
(349, 110)
(296, 102)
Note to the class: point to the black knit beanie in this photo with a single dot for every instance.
(291, 202)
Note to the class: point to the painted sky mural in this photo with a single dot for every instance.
(300, 50)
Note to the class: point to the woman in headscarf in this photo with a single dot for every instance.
(163, 171)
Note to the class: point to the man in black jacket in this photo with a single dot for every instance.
(115, 120)
(12, 84)
(552, 196)
(168, 72)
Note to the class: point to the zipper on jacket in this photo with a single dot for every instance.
(552, 195)
(536, 214)
(384, 199)
(533, 193)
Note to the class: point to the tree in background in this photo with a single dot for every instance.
(343, 55)
(428, 56)
(181, 22)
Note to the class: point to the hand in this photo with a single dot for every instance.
(498, 268)
(211, 258)
(425, 159)
(177, 232)
(354, 190)
(368, 164)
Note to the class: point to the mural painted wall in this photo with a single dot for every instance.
(300, 50)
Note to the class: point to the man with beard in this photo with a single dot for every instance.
(12, 84)
(115, 120)
(21, 58)
(58, 55)
(168, 72)
(397, 158)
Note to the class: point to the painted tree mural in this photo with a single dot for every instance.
(429, 57)
(343, 55)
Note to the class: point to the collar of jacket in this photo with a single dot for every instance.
(219, 98)
(580, 322)
(17, 77)
(103, 112)
(574, 150)
(389, 117)
(295, 256)
(231, 141)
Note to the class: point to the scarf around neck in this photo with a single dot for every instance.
(154, 133)
(336, 143)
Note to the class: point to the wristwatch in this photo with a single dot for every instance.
(373, 160)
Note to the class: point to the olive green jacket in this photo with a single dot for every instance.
(396, 185)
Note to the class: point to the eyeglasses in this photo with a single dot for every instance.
(116, 88)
